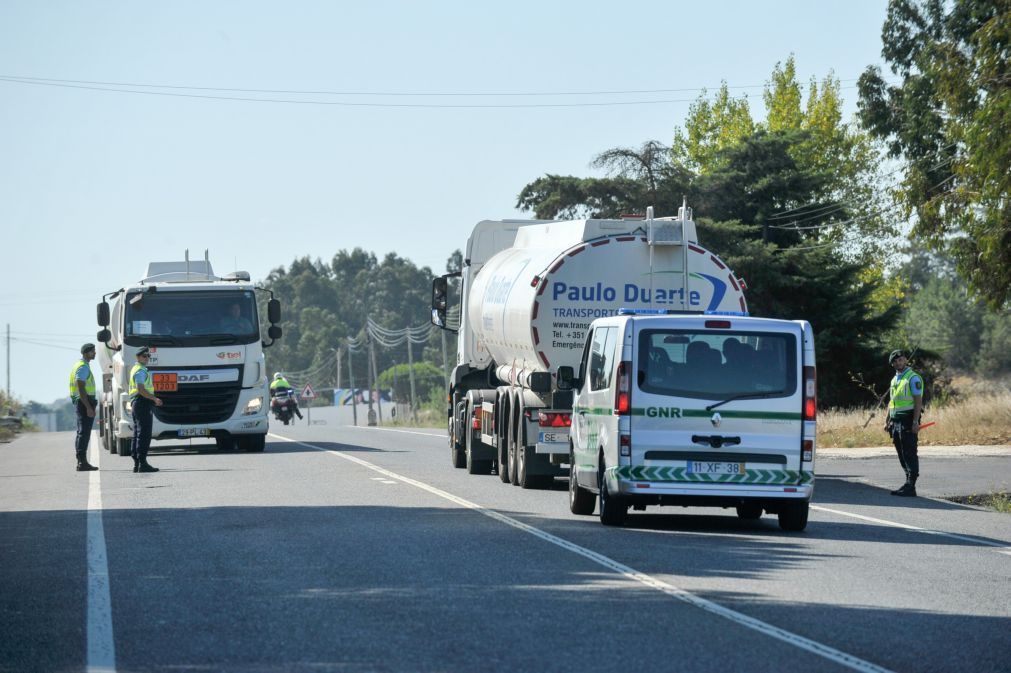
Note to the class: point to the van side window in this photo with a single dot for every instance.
(602, 357)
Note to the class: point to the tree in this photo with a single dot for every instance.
(950, 118)
(709, 128)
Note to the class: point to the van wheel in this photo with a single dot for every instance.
(124, 446)
(613, 510)
(793, 516)
(749, 512)
(581, 501)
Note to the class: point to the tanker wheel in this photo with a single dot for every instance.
(511, 443)
(502, 433)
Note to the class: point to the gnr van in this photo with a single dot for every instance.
(694, 410)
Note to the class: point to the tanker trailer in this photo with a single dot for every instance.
(528, 292)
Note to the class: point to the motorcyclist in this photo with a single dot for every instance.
(281, 385)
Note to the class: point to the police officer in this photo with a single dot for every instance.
(904, 407)
(82, 394)
(142, 400)
(280, 384)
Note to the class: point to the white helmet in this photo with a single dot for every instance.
(278, 375)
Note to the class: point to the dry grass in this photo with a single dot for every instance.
(976, 419)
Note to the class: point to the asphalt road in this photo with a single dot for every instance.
(357, 549)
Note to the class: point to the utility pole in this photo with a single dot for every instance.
(8, 363)
(375, 380)
(354, 398)
(410, 371)
(371, 377)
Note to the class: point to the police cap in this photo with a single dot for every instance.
(87, 347)
(896, 354)
(143, 351)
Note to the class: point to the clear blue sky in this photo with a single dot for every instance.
(94, 184)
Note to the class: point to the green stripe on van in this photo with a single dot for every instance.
(681, 474)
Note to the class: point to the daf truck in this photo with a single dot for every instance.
(529, 290)
(207, 362)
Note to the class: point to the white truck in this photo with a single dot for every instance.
(529, 290)
(207, 362)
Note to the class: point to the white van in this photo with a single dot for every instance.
(706, 410)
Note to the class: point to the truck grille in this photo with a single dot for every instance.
(198, 403)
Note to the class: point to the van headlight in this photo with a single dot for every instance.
(253, 406)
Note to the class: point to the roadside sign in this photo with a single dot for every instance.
(308, 393)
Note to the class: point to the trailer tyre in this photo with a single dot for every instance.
(124, 446)
(457, 451)
(793, 516)
(613, 510)
(581, 501)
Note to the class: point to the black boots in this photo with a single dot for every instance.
(143, 466)
(83, 465)
(908, 489)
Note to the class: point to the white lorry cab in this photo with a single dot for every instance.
(694, 410)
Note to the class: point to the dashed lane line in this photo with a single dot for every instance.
(1001, 548)
(628, 572)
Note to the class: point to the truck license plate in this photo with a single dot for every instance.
(553, 437)
(194, 432)
(165, 383)
(706, 467)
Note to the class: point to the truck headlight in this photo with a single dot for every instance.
(253, 406)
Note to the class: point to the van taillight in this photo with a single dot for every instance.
(553, 419)
(810, 394)
(623, 389)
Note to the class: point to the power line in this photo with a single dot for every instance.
(291, 101)
(316, 92)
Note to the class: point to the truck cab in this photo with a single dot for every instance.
(206, 356)
(694, 410)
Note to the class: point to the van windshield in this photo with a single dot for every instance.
(716, 365)
(190, 318)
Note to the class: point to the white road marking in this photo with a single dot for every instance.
(794, 639)
(406, 432)
(916, 529)
(101, 654)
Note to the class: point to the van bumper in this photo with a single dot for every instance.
(791, 486)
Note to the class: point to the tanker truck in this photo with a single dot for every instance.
(207, 364)
(528, 292)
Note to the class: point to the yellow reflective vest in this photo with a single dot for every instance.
(901, 401)
(133, 382)
(89, 384)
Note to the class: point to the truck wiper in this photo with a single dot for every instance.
(163, 340)
(745, 396)
(221, 338)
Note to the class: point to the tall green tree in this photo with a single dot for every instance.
(950, 118)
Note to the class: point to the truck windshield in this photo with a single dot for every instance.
(709, 365)
(209, 318)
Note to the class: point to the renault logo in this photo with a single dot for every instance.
(716, 420)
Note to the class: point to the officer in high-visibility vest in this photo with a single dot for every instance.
(904, 407)
(82, 394)
(142, 401)
(280, 384)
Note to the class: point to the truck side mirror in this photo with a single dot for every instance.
(103, 316)
(439, 300)
(274, 332)
(104, 336)
(274, 313)
(566, 378)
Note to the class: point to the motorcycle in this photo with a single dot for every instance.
(284, 405)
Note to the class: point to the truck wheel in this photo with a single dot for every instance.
(513, 461)
(525, 456)
(458, 457)
(229, 443)
(125, 446)
(793, 516)
(581, 501)
(749, 512)
(102, 434)
(613, 510)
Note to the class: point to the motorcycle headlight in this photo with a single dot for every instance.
(253, 406)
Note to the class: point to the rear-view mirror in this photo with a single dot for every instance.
(274, 313)
(103, 314)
